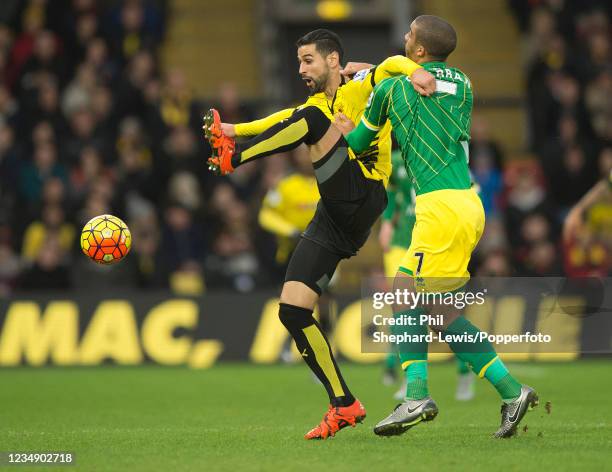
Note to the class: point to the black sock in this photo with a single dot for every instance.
(316, 352)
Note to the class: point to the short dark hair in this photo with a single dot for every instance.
(325, 41)
(436, 35)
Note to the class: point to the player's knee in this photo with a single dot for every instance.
(299, 292)
(292, 316)
(318, 123)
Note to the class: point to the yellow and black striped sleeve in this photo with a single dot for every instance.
(253, 128)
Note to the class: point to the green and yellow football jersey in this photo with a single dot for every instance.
(432, 132)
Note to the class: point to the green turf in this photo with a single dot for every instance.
(241, 417)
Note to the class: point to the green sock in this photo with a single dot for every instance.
(416, 380)
(413, 355)
(481, 356)
(506, 385)
(391, 360)
(462, 367)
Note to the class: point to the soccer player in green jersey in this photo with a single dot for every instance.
(394, 237)
(433, 135)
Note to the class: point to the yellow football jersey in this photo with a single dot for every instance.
(351, 99)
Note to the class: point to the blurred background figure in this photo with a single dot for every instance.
(288, 207)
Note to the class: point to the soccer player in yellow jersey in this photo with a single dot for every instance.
(352, 189)
(289, 206)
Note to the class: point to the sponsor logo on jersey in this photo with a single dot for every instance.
(359, 76)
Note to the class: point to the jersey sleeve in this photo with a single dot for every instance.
(372, 120)
(375, 114)
(256, 127)
(392, 66)
(365, 80)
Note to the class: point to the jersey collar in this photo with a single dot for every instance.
(434, 63)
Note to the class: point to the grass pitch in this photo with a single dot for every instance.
(242, 417)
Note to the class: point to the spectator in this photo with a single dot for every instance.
(32, 22)
(182, 247)
(51, 225)
(130, 93)
(78, 94)
(572, 177)
(176, 106)
(34, 174)
(184, 189)
(83, 176)
(10, 163)
(230, 106)
(526, 195)
(598, 97)
(130, 30)
(86, 29)
(47, 108)
(82, 134)
(97, 57)
(182, 153)
(10, 269)
(43, 63)
(486, 164)
(144, 257)
(103, 109)
(9, 107)
(495, 264)
(50, 269)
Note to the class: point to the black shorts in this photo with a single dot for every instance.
(349, 206)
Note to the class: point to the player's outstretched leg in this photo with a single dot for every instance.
(307, 125)
(310, 269)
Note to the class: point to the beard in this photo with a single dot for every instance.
(318, 84)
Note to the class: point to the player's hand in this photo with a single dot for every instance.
(385, 235)
(351, 68)
(228, 129)
(572, 224)
(423, 82)
(343, 123)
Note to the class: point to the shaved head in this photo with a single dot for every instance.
(436, 35)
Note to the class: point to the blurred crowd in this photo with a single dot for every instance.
(89, 124)
(568, 63)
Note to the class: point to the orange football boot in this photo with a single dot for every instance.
(222, 146)
(337, 418)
